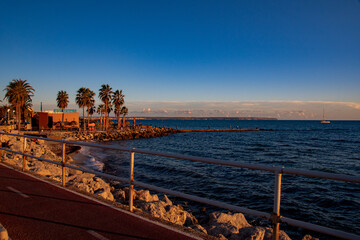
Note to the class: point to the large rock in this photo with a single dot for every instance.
(269, 233)
(167, 211)
(226, 224)
(89, 183)
(250, 233)
(144, 195)
(309, 237)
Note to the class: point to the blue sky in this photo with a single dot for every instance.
(192, 53)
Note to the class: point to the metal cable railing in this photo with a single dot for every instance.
(278, 171)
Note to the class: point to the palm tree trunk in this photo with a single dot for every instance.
(106, 116)
(88, 117)
(101, 121)
(84, 118)
(118, 117)
(123, 120)
(18, 114)
(62, 120)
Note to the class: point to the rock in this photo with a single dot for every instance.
(120, 195)
(105, 194)
(167, 200)
(226, 224)
(221, 237)
(250, 233)
(3, 233)
(171, 213)
(309, 237)
(199, 228)
(144, 195)
(269, 232)
(41, 171)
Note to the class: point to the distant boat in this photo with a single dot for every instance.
(323, 120)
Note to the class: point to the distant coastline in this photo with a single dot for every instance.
(205, 118)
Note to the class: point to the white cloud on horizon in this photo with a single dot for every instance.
(292, 110)
(301, 110)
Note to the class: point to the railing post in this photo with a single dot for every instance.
(131, 187)
(276, 210)
(24, 158)
(63, 165)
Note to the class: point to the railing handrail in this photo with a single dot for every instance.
(263, 167)
(275, 216)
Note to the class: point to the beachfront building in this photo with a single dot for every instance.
(47, 120)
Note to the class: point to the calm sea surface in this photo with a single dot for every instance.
(333, 148)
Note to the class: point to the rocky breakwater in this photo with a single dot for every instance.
(123, 134)
(233, 226)
(39, 148)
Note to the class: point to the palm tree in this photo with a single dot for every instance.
(118, 101)
(18, 92)
(62, 103)
(27, 110)
(105, 96)
(92, 110)
(81, 101)
(124, 111)
(90, 101)
(100, 110)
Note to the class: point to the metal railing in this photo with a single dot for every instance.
(278, 172)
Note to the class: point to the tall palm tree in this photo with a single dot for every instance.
(100, 110)
(81, 102)
(105, 96)
(124, 112)
(27, 110)
(118, 101)
(90, 101)
(18, 92)
(92, 110)
(62, 103)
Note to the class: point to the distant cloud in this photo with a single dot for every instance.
(305, 110)
(292, 110)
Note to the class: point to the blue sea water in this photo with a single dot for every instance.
(310, 145)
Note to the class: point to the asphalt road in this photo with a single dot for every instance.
(33, 209)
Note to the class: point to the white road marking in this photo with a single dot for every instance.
(97, 235)
(18, 192)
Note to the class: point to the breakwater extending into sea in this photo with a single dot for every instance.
(295, 144)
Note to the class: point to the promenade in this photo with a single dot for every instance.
(33, 209)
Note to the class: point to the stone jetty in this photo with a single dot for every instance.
(218, 225)
(122, 134)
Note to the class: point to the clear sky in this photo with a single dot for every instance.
(281, 58)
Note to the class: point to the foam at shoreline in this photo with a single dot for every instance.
(85, 159)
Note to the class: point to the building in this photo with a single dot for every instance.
(53, 119)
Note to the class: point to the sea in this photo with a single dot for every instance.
(309, 145)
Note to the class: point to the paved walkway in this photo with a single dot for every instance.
(33, 209)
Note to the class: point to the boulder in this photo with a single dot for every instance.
(172, 213)
(226, 224)
(269, 232)
(199, 228)
(309, 237)
(250, 233)
(104, 194)
(144, 195)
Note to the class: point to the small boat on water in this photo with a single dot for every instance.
(323, 120)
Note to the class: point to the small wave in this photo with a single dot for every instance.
(89, 161)
(93, 164)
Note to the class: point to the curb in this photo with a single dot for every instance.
(3, 233)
